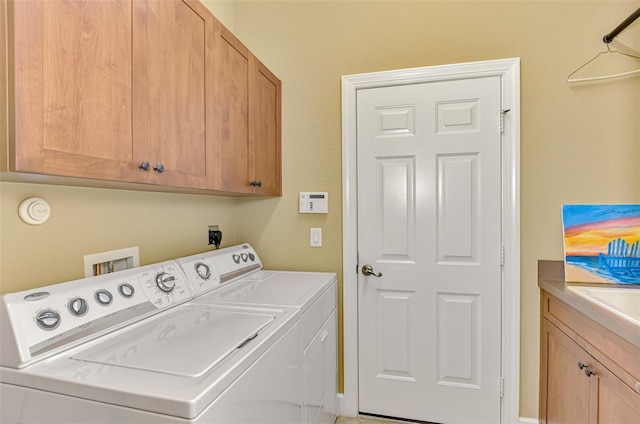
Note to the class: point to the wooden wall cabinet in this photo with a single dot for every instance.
(113, 90)
(248, 107)
(71, 80)
(587, 373)
(143, 91)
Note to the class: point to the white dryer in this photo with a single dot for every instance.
(216, 281)
(134, 347)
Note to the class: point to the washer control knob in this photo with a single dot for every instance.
(48, 319)
(126, 290)
(244, 257)
(203, 270)
(165, 282)
(236, 258)
(252, 257)
(77, 306)
(103, 297)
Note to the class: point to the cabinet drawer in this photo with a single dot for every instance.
(317, 314)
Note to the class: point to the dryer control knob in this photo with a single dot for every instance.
(165, 282)
(203, 270)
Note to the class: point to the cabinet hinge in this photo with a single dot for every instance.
(502, 113)
(501, 255)
(501, 387)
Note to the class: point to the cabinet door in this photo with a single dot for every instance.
(71, 88)
(564, 388)
(233, 168)
(173, 91)
(616, 402)
(264, 129)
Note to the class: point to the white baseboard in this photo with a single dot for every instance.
(340, 404)
(525, 420)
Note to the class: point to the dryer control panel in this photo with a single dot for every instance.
(209, 270)
(36, 324)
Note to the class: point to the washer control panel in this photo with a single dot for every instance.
(38, 323)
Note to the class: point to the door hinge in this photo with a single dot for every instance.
(501, 387)
(501, 255)
(502, 113)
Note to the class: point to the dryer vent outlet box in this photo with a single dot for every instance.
(112, 261)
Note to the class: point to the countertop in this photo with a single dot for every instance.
(551, 280)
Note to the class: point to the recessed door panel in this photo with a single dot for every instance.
(394, 345)
(396, 121)
(396, 208)
(458, 215)
(458, 339)
(459, 116)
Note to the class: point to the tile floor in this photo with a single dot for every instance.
(362, 420)
(370, 420)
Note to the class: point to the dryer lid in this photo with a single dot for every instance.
(287, 288)
(189, 341)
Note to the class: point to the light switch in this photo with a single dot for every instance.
(316, 237)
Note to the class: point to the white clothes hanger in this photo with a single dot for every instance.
(606, 65)
(610, 63)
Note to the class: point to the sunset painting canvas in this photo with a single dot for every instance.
(602, 243)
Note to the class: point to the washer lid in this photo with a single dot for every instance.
(175, 344)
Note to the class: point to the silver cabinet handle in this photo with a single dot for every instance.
(368, 270)
(159, 168)
(588, 371)
(144, 165)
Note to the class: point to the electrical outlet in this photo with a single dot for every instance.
(214, 235)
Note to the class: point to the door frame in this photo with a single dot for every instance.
(509, 72)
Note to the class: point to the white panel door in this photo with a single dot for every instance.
(429, 221)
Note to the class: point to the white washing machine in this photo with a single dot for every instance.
(138, 346)
(314, 294)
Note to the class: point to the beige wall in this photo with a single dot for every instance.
(223, 11)
(579, 143)
(90, 220)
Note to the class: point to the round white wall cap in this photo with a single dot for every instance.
(34, 211)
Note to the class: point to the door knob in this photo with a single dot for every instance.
(368, 270)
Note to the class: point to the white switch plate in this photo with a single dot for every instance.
(316, 237)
